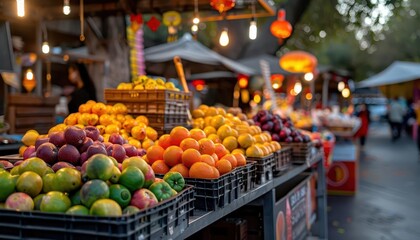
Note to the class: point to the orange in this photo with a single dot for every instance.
(220, 150)
(172, 155)
(253, 151)
(210, 111)
(217, 121)
(201, 170)
(146, 143)
(232, 159)
(224, 166)
(105, 119)
(221, 111)
(160, 167)
(216, 172)
(240, 159)
(208, 159)
(178, 134)
(85, 108)
(230, 143)
(209, 130)
(143, 119)
(165, 141)
(276, 145)
(206, 146)
(238, 150)
(119, 108)
(224, 131)
(155, 153)
(112, 128)
(214, 138)
(197, 113)
(190, 156)
(136, 143)
(189, 143)
(138, 132)
(215, 157)
(151, 133)
(181, 168)
(129, 123)
(99, 108)
(203, 107)
(245, 140)
(197, 134)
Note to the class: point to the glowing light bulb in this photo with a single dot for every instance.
(276, 85)
(224, 38)
(66, 7)
(345, 93)
(196, 20)
(308, 76)
(341, 86)
(29, 74)
(20, 8)
(194, 28)
(257, 98)
(253, 30)
(45, 47)
(297, 88)
(308, 96)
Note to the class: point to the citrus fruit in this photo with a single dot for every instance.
(165, 141)
(181, 168)
(29, 183)
(209, 130)
(230, 143)
(154, 153)
(132, 178)
(231, 159)
(207, 159)
(189, 143)
(99, 166)
(220, 150)
(217, 121)
(172, 155)
(178, 134)
(92, 191)
(206, 146)
(78, 210)
(190, 156)
(55, 201)
(224, 166)
(245, 140)
(197, 134)
(160, 167)
(240, 159)
(253, 151)
(201, 170)
(105, 207)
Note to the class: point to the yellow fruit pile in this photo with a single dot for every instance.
(111, 119)
(146, 83)
(234, 132)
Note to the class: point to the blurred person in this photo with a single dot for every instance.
(417, 115)
(396, 116)
(82, 89)
(364, 115)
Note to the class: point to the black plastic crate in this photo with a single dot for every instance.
(248, 176)
(153, 223)
(282, 160)
(302, 153)
(212, 194)
(264, 168)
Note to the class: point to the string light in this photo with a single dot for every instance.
(224, 38)
(308, 76)
(345, 93)
(341, 85)
(45, 47)
(194, 28)
(66, 7)
(29, 74)
(196, 19)
(20, 8)
(297, 88)
(253, 24)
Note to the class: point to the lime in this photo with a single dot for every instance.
(92, 191)
(132, 178)
(120, 194)
(29, 183)
(99, 166)
(55, 201)
(78, 210)
(7, 185)
(105, 207)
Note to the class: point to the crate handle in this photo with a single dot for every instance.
(180, 71)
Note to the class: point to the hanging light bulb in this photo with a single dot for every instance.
(66, 7)
(20, 8)
(308, 76)
(253, 29)
(196, 20)
(345, 93)
(341, 85)
(29, 74)
(194, 28)
(45, 47)
(297, 88)
(224, 38)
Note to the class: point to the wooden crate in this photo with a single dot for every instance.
(25, 111)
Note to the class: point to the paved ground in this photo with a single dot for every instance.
(387, 203)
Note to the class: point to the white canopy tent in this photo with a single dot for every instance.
(397, 72)
(193, 51)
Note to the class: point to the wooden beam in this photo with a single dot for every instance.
(235, 16)
(267, 7)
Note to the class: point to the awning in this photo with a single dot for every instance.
(191, 50)
(397, 72)
(273, 62)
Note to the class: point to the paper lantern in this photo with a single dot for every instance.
(281, 28)
(298, 62)
(242, 81)
(222, 5)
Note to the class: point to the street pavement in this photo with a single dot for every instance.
(387, 203)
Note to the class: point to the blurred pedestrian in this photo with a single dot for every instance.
(396, 117)
(417, 115)
(83, 88)
(364, 116)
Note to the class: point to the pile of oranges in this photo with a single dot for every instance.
(193, 154)
(234, 130)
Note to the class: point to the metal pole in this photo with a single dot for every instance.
(325, 91)
(38, 63)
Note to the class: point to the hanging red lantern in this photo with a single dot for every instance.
(243, 81)
(222, 5)
(281, 28)
(298, 62)
(277, 81)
